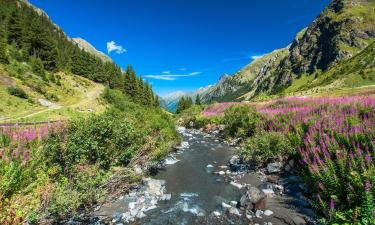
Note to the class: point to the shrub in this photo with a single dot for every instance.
(264, 147)
(17, 91)
(241, 121)
(107, 139)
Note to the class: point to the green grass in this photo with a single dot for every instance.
(75, 95)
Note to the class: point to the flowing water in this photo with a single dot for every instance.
(196, 191)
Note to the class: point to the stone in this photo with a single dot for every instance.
(244, 200)
(268, 212)
(254, 194)
(272, 179)
(261, 204)
(249, 217)
(221, 173)
(291, 163)
(209, 166)
(239, 186)
(268, 192)
(138, 169)
(274, 167)
(216, 213)
(259, 213)
(233, 203)
(234, 211)
(234, 160)
(297, 220)
(225, 205)
(287, 168)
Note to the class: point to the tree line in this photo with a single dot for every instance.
(187, 102)
(27, 35)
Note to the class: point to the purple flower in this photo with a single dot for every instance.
(332, 204)
(367, 186)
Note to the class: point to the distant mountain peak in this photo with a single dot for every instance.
(86, 46)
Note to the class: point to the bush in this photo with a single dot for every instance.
(264, 147)
(18, 92)
(107, 139)
(241, 121)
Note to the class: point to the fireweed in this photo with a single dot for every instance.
(337, 139)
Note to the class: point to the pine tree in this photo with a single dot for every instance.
(38, 68)
(3, 46)
(198, 100)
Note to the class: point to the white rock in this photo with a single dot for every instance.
(233, 203)
(216, 213)
(140, 215)
(225, 205)
(259, 213)
(268, 192)
(268, 212)
(221, 173)
(209, 166)
(234, 211)
(239, 186)
(249, 217)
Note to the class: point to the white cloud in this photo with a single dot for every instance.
(166, 75)
(256, 56)
(112, 46)
(183, 69)
(194, 73)
(160, 77)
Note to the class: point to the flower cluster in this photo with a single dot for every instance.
(337, 150)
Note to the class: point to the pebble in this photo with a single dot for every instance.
(209, 166)
(221, 173)
(225, 205)
(268, 192)
(259, 213)
(233, 203)
(216, 213)
(239, 186)
(268, 212)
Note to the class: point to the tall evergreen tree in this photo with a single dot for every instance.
(198, 100)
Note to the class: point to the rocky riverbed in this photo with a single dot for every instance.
(204, 182)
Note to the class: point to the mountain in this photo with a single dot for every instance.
(342, 31)
(169, 102)
(86, 46)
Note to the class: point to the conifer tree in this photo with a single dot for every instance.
(198, 100)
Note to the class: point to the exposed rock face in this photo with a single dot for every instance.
(339, 32)
(342, 30)
(86, 46)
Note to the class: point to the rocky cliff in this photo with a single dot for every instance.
(341, 31)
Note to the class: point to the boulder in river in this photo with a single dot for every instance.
(274, 167)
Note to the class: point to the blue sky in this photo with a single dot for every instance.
(183, 44)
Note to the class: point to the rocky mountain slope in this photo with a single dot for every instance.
(85, 45)
(341, 31)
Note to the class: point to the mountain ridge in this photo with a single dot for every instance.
(339, 32)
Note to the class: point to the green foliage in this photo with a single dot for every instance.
(16, 91)
(240, 121)
(183, 104)
(198, 100)
(38, 67)
(105, 140)
(264, 147)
